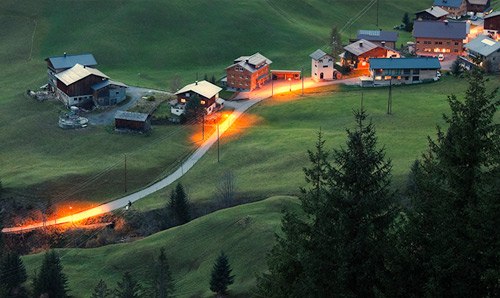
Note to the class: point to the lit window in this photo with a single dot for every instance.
(202, 102)
(183, 100)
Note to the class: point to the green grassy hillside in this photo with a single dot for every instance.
(245, 233)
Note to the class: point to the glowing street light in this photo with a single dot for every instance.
(290, 80)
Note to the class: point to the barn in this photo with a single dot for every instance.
(132, 121)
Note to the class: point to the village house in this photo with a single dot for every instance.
(455, 8)
(84, 86)
(322, 66)
(433, 38)
(492, 25)
(480, 51)
(395, 71)
(478, 6)
(379, 37)
(132, 121)
(206, 92)
(248, 72)
(435, 13)
(57, 64)
(357, 55)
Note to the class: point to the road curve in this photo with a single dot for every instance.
(240, 108)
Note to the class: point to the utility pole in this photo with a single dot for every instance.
(218, 144)
(125, 172)
(203, 125)
(377, 13)
(362, 95)
(272, 85)
(302, 75)
(389, 100)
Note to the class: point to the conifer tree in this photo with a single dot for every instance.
(449, 246)
(50, 280)
(179, 205)
(335, 42)
(12, 275)
(163, 283)
(127, 287)
(101, 290)
(221, 276)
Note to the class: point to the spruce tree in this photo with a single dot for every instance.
(128, 287)
(194, 109)
(163, 283)
(101, 290)
(12, 275)
(50, 280)
(340, 247)
(221, 276)
(335, 42)
(179, 205)
(449, 246)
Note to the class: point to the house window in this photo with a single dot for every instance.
(416, 71)
(325, 66)
(456, 43)
(183, 100)
(188, 95)
(330, 60)
(202, 102)
(416, 78)
(117, 92)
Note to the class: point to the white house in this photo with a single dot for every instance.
(322, 66)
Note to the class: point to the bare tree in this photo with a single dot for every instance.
(175, 83)
(225, 189)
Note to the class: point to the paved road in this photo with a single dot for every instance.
(239, 108)
(107, 116)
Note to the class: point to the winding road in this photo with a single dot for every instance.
(240, 107)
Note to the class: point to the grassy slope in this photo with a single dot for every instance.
(245, 233)
(267, 158)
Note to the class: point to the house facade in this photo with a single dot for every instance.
(492, 25)
(132, 121)
(358, 54)
(435, 13)
(433, 38)
(483, 50)
(74, 85)
(57, 64)
(108, 93)
(248, 72)
(379, 37)
(206, 92)
(395, 71)
(455, 8)
(478, 6)
(322, 66)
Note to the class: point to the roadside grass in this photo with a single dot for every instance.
(245, 233)
(267, 149)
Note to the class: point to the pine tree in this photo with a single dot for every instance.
(50, 280)
(12, 275)
(407, 23)
(163, 283)
(101, 290)
(221, 276)
(128, 287)
(335, 42)
(194, 109)
(179, 205)
(450, 244)
(340, 246)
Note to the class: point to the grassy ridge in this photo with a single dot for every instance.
(245, 233)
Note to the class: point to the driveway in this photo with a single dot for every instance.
(107, 116)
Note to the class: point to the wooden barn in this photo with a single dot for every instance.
(132, 121)
(74, 86)
(57, 64)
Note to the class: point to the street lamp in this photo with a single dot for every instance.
(290, 80)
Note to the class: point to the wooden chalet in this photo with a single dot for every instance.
(455, 8)
(492, 25)
(74, 86)
(478, 6)
(248, 72)
(357, 55)
(379, 37)
(435, 13)
(206, 92)
(57, 64)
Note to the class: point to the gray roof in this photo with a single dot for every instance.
(318, 54)
(405, 63)
(133, 116)
(493, 14)
(106, 83)
(436, 29)
(448, 3)
(68, 61)
(378, 35)
(436, 11)
(250, 62)
(483, 45)
(478, 2)
(360, 47)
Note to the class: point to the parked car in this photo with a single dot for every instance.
(441, 57)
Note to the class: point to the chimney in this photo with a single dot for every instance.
(383, 43)
(446, 22)
(64, 54)
(196, 83)
(361, 44)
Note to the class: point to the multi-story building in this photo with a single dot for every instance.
(322, 66)
(57, 64)
(455, 8)
(492, 25)
(435, 13)
(386, 71)
(433, 38)
(248, 72)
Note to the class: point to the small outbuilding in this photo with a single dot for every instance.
(132, 121)
(109, 92)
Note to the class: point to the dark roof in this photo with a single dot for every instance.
(448, 3)
(436, 29)
(106, 83)
(318, 54)
(378, 35)
(405, 63)
(133, 116)
(68, 61)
